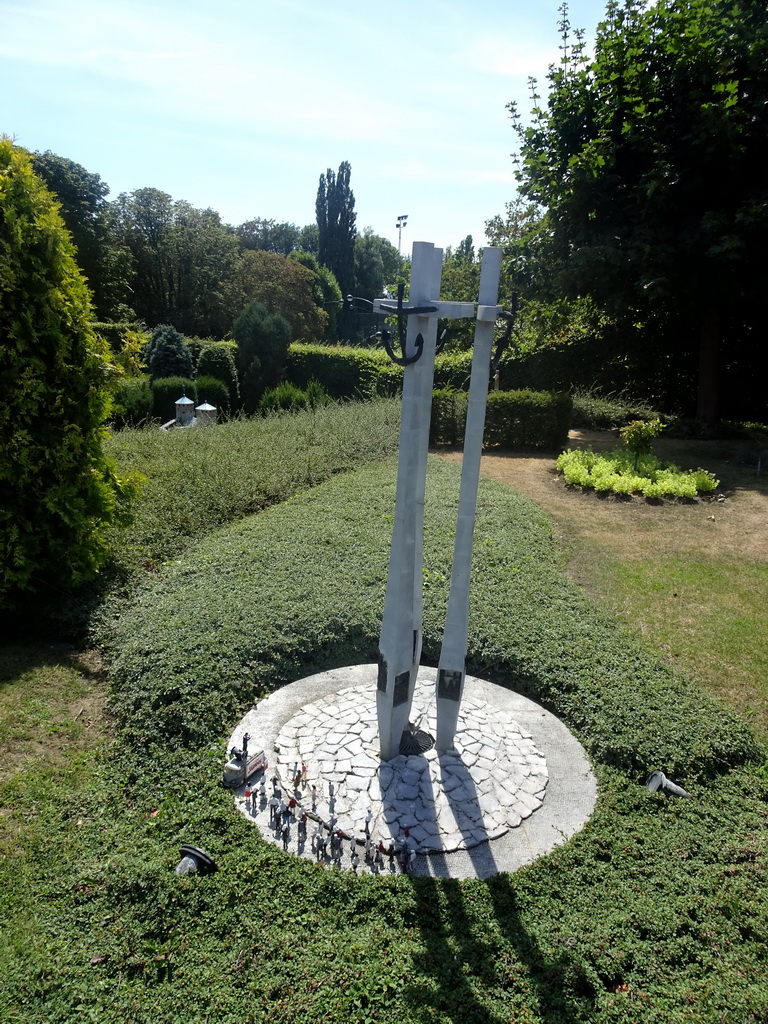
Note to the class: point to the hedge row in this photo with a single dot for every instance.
(138, 399)
(534, 418)
(348, 372)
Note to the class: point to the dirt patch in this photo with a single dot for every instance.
(732, 522)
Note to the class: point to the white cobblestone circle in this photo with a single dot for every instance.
(493, 780)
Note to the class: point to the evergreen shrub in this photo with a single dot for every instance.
(167, 355)
(196, 348)
(219, 361)
(60, 492)
(286, 397)
(262, 351)
(346, 371)
(133, 401)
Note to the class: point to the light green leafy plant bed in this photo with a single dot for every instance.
(624, 473)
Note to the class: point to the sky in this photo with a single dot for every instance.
(241, 105)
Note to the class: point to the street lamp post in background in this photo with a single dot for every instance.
(401, 222)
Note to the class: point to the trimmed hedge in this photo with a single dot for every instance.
(449, 416)
(212, 390)
(343, 371)
(536, 419)
(165, 392)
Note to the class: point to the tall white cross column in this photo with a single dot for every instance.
(400, 640)
(450, 674)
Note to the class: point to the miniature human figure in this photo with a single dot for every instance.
(247, 795)
(407, 832)
(352, 844)
(292, 803)
(274, 803)
(378, 859)
(323, 846)
(368, 820)
(278, 819)
(303, 775)
(262, 790)
(391, 855)
(355, 862)
(274, 781)
(331, 790)
(286, 834)
(411, 861)
(368, 849)
(314, 797)
(283, 808)
(297, 780)
(332, 822)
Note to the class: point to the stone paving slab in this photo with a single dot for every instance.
(517, 785)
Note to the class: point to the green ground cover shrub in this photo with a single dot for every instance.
(622, 472)
(655, 912)
(184, 667)
(199, 480)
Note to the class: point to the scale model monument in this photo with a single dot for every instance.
(360, 771)
(400, 641)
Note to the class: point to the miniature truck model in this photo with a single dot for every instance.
(242, 764)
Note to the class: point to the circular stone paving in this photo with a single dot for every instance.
(517, 785)
(493, 779)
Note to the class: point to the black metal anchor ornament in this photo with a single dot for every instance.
(402, 312)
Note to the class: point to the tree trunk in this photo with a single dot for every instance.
(709, 346)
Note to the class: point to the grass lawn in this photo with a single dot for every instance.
(657, 911)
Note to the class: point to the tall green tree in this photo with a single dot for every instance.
(649, 160)
(60, 493)
(183, 259)
(269, 235)
(325, 292)
(262, 340)
(85, 211)
(377, 264)
(335, 209)
(284, 287)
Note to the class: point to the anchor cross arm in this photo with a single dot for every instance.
(445, 310)
(486, 313)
